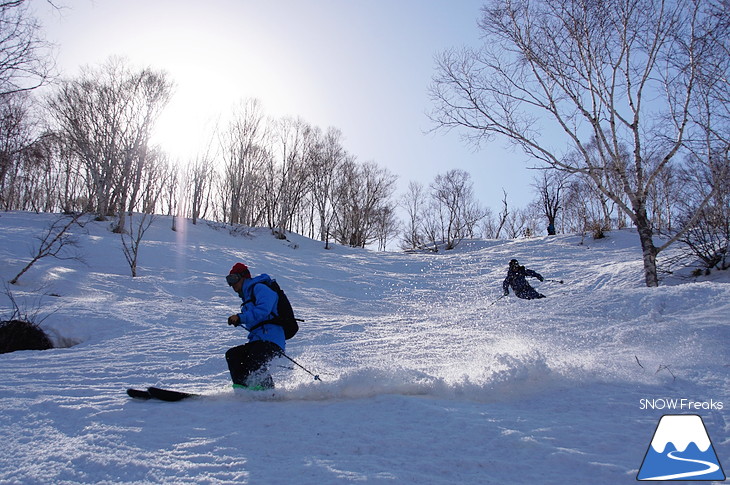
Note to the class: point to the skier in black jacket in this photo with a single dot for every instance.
(516, 279)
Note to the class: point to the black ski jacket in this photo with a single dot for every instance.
(516, 279)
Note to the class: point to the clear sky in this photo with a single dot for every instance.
(361, 66)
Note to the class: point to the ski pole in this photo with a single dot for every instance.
(555, 281)
(495, 301)
(316, 377)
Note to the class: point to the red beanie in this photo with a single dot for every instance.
(240, 268)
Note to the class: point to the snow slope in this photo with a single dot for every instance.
(424, 380)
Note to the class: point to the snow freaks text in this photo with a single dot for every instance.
(676, 404)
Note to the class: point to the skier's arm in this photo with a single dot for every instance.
(254, 313)
(505, 286)
(534, 274)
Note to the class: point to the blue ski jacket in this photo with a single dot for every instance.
(259, 305)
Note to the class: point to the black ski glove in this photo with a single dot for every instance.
(234, 320)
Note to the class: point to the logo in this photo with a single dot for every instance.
(681, 450)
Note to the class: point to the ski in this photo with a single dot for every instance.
(160, 394)
(168, 395)
(139, 394)
(156, 393)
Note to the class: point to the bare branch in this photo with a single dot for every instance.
(53, 242)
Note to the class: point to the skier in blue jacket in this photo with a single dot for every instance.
(248, 363)
(516, 279)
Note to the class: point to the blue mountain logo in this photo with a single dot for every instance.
(681, 450)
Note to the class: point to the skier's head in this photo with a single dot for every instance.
(514, 264)
(238, 273)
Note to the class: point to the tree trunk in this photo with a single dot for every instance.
(649, 251)
(551, 226)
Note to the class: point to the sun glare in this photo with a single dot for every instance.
(206, 94)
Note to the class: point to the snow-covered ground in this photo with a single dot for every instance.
(424, 379)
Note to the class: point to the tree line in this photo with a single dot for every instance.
(93, 153)
(659, 166)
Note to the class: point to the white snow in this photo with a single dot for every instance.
(424, 380)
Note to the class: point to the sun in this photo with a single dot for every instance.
(204, 99)
(186, 126)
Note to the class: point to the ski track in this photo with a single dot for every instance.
(422, 380)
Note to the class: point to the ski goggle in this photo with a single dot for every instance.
(234, 278)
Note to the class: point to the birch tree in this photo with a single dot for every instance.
(550, 187)
(105, 119)
(245, 149)
(25, 60)
(324, 163)
(289, 178)
(459, 210)
(362, 199)
(555, 76)
(414, 203)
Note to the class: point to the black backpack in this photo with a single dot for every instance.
(285, 317)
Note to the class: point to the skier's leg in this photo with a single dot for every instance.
(259, 355)
(236, 358)
(531, 293)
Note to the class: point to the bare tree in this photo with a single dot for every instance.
(503, 215)
(586, 209)
(53, 242)
(173, 202)
(709, 238)
(363, 194)
(414, 202)
(432, 224)
(132, 238)
(515, 225)
(16, 136)
(488, 226)
(623, 75)
(25, 56)
(550, 186)
(386, 226)
(199, 175)
(105, 118)
(289, 177)
(453, 192)
(245, 148)
(325, 159)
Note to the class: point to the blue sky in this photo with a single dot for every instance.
(363, 67)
